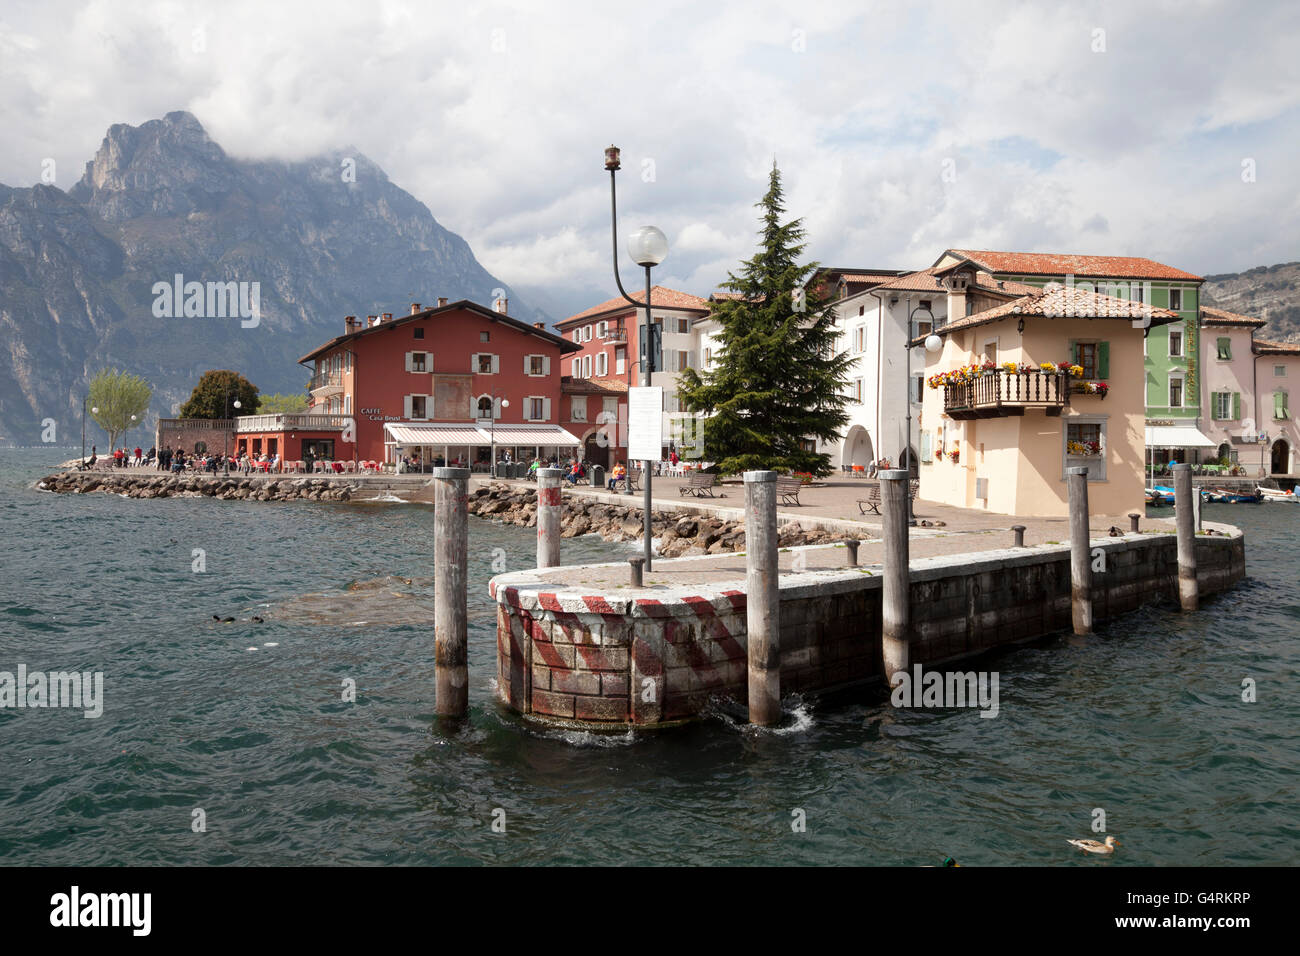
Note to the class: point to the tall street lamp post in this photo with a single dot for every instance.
(932, 344)
(94, 410)
(648, 247)
(225, 432)
(505, 403)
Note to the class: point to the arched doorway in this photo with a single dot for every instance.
(1225, 453)
(595, 449)
(1281, 457)
(857, 449)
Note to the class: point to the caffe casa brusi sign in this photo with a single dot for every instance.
(377, 415)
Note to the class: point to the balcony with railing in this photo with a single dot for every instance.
(326, 383)
(616, 334)
(995, 393)
(306, 423)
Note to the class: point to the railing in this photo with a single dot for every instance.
(997, 392)
(616, 334)
(182, 423)
(275, 423)
(325, 380)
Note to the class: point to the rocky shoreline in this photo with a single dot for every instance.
(678, 534)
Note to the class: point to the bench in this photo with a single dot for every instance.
(872, 500)
(700, 484)
(788, 489)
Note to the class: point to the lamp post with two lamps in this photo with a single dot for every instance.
(648, 247)
(932, 344)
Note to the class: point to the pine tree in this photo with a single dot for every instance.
(777, 379)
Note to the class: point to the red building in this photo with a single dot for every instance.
(442, 383)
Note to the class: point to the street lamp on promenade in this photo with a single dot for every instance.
(225, 432)
(932, 344)
(505, 403)
(648, 247)
(94, 411)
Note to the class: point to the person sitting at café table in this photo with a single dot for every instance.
(619, 473)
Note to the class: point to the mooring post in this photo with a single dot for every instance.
(762, 598)
(636, 564)
(1080, 552)
(1019, 529)
(1188, 595)
(896, 598)
(550, 516)
(852, 548)
(1133, 522)
(450, 618)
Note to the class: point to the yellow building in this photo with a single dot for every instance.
(999, 430)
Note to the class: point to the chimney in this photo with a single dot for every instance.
(442, 300)
(388, 317)
(501, 305)
(539, 325)
(370, 320)
(350, 322)
(415, 307)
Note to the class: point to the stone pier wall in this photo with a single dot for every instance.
(618, 659)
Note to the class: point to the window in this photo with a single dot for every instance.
(484, 336)
(578, 408)
(1137, 292)
(1085, 355)
(537, 364)
(1280, 410)
(1225, 348)
(536, 408)
(576, 368)
(708, 358)
(1226, 406)
(620, 360)
(1175, 342)
(417, 333)
(857, 390)
(927, 446)
(417, 406)
(602, 363)
(1279, 371)
(862, 309)
(586, 333)
(683, 361)
(485, 406)
(1175, 392)
(918, 389)
(417, 361)
(485, 363)
(991, 352)
(683, 326)
(859, 338)
(1085, 445)
(586, 366)
(601, 328)
(1176, 300)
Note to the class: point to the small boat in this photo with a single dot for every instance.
(1228, 497)
(1277, 494)
(1160, 495)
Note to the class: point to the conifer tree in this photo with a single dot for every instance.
(777, 380)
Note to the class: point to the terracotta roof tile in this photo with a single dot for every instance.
(591, 386)
(1057, 301)
(1211, 316)
(1058, 264)
(660, 297)
(1276, 348)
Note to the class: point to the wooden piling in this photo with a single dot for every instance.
(762, 598)
(550, 515)
(896, 589)
(1185, 520)
(450, 617)
(1080, 552)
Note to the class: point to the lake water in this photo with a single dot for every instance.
(1144, 720)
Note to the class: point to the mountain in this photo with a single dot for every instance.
(1271, 293)
(323, 238)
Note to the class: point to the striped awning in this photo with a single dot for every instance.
(436, 433)
(545, 435)
(1174, 436)
(407, 433)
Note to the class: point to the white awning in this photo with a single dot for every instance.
(1172, 436)
(406, 433)
(532, 435)
(438, 433)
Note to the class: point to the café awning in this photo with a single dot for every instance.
(406, 433)
(1172, 436)
(541, 435)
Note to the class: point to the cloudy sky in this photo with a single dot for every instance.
(901, 128)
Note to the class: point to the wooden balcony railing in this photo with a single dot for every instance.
(998, 392)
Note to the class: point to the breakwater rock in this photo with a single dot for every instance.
(236, 487)
(679, 533)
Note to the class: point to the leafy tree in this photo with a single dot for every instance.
(278, 404)
(118, 402)
(216, 394)
(777, 380)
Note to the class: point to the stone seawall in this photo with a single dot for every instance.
(234, 487)
(640, 658)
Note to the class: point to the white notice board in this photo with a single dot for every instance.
(645, 422)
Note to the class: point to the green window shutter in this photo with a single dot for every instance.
(1286, 412)
(1074, 352)
(1236, 406)
(1277, 405)
(1103, 360)
(1225, 348)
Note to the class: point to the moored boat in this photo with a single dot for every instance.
(1277, 494)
